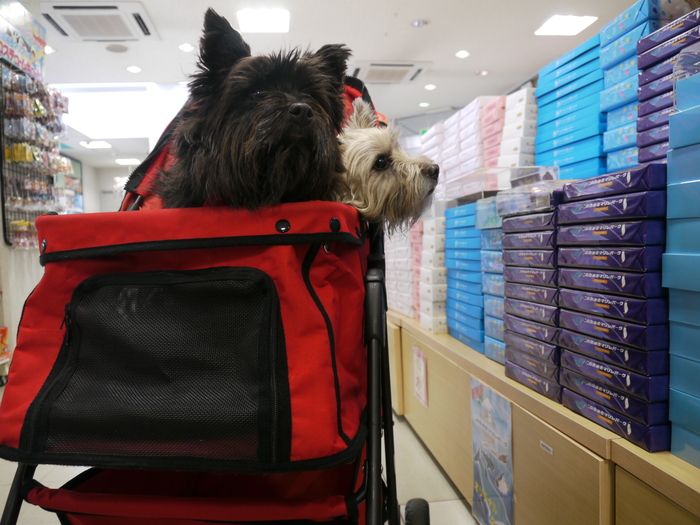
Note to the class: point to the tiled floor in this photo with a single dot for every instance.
(417, 474)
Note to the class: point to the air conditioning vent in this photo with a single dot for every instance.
(98, 21)
(387, 72)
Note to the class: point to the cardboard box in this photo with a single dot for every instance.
(631, 233)
(622, 159)
(461, 211)
(532, 329)
(583, 150)
(669, 48)
(541, 368)
(583, 58)
(492, 239)
(654, 136)
(620, 138)
(539, 349)
(656, 104)
(593, 42)
(683, 203)
(623, 116)
(535, 276)
(540, 313)
(685, 409)
(494, 306)
(521, 98)
(659, 70)
(531, 222)
(552, 83)
(620, 94)
(493, 327)
(639, 361)
(578, 135)
(637, 259)
(586, 81)
(535, 294)
(433, 308)
(641, 285)
(530, 240)
(470, 310)
(469, 255)
(639, 13)
(436, 325)
(568, 124)
(492, 261)
(655, 88)
(684, 374)
(534, 382)
(462, 233)
(520, 114)
(433, 275)
(683, 164)
(493, 284)
(530, 258)
(569, 104)
(653, 152)
(464, 221)
(642, 205)
(626, 45)
(433, 292)
(475, 323)
(673, 29)
(685, 444)
(465, 297)
(518, 130)
(684, 129)
(455, 277)
(432, 259)
(645, 311)
(495, 350)
(517, 146)
(621, 72)
(464, 265)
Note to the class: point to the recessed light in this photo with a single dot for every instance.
(481, 73)
(430, 87)
(117, 48)
(462, 54)
(133, 69)
(187, 48)
(565, 25)
(419, 23)
(48, 50)
(96, 144)
(424, 104)
(128, 162)
(263, 20)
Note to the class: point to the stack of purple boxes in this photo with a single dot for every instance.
(613, 323)
(531, 310)
(657, 54)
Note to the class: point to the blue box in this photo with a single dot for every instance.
(577, 152)
(684, 339)
(487, 214)
(683, 234)
(620, 72)
(685, 410)
(534, 276)
(584, 58)
(627, 233)
(619, 95)
(591, 79)
(569, 123)
(684, 129)
(465, 308)
(495, 350)
(534, 382)
(656, 104)
(493, 327)
(651, 337)
(625, 158)
(493, 284)
(633, 259)
(471, 333)
(653, 152)
(549, 84)
(568, 105)
(493, 306)
(683, 202)
(683, 164)
(460, 222)
(468, 255)
(462, 233)
(623, 116)
(571, 55)
(463, 243)
(466, 277)
(583, 169)
(654, 120)
(466, 297)
(675, 28)
(528, 362)
(681, 271)
(461, 211)
(475, 345)
(655, 88)
(578, 135)
(684, 374)
(653, 136)
(466, 320)
(643, 178)
(539, 349)
(620, 138)
(626, 45)
(684, 307)
(685, 444)
(462, 264)
(632, 17)
(535, 294)
(492, 239)
(491, 261)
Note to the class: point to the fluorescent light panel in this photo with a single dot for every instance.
(96, 144)
(565, 25)
(128, 162)
(263, 20)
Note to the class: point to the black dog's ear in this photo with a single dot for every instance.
(332, 60)
(220, 47)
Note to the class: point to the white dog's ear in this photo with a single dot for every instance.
(363, 115)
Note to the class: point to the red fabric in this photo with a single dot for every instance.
(337, 277)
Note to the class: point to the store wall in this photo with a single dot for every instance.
(109, 198)
(91, 190)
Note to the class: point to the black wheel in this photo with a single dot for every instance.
(417, 512)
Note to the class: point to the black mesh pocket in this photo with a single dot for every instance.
(187, 363)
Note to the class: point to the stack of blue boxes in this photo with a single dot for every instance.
(681, 270)
(618, 59)
(658, 53)
(613, 324)
(569, 122)
(489, 222)
(465, 300)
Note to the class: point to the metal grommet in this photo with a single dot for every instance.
(326, 248)
(335, 225)
(283, 226)
(44, 245)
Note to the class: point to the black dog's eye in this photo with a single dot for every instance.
(381, 163)
(256, 95)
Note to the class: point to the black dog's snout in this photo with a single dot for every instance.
(301, 113)
(434, 171)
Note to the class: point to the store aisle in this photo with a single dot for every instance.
(418, 476)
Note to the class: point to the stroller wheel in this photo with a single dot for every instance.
(417, 512)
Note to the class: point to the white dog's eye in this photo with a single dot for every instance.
(381, 163)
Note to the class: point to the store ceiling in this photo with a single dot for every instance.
(498, 35)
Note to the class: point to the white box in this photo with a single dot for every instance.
(433, 226)
(403, 264)
(449, 163)
(518, 146)
(402, 252)
(521, 98)
(470, 151)
(405, 287)
(518, 115)
(403, 275)
(433, 275)
(452, 151)
(434, 152)
(433, 308)
(449, 140)
(437, 129)
(526, 129)
(432, 259)
(436, 325)
(512, 161)
(433, 292)
(438, 207)
(434, 243)
(433, 142)
(469, 128)
(471, 165)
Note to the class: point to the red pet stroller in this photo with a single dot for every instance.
(216, 366)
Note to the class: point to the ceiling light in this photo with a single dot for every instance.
(462, 54)
(128, 162)
(424, 104)
(133, 69)
(96, 144)
(187, 48)
(481, 73)
(48, 50)
(263, 20)
(419, 23)
(565, 25)
(117, 48)
(430, 87)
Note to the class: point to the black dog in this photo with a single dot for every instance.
(260, 130)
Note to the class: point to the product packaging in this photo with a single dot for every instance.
(593, 42)
(461, 211)
(462, 264)
(532, 222)
(532, 329)
(673, 29)
(667, 49)
(623, 116)
(641, 285)
(655, 88)
(463, 276)
(654, 136)
(493, 306)
(531, 258)
(646, 259)
(541, 368)
(487, 214)
(534, 382)
(530, 240)
(491, 261)
(656, 104)
(493, 284)
(654, 120)
(645, 311)
(566, 106)
(620, 138)
(629, 233)
(655, 152)
(620, 94)
(623, 159)
(469, 334)
(469, 298)
(540, 313)
(626, 45)
(548, 84)
(593, 78)
(467, 320)
(621, 72)
(535, 276)
(539, 349)
(433, 292)
(436, 325)
(493, 327)
(464, 221)
(658, 71)
(495, 350)
(543, 196)
(492, 239)
(642, 205)
(640, 12)
(464, 308)
(535, 294)
(462, 243)
(468, 255)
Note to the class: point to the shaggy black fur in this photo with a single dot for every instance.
(257, 130)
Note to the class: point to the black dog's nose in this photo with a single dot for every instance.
(301, 113)
(434, 171)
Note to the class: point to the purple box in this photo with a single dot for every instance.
(539, 331)
(654, 120)
(652, 439)
(667, 49)
(540, 313)
(648, 388)
(650, 153)
(653, 136)
(621, 402)
(645, 311)
(640, 361)
(675, 28)
(647, 259)
(659, 70)
(641, 178)
(534, 258)
(532, 222)
(647, 337)
(656, 104)
(535, 294)
(643, 205)
(530, 240)
(544, 351)
(634, 233)
(655, 88)
(642, 285)
(531, 380)
(541, 368)
(536, 276)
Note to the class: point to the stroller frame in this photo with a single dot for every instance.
(380, 498)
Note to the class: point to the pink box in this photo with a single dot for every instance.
(492, 162)
(416, 237)
(492, 116)
(492, 129)
(497, 103)
(493, 140)
(418, 226)
(493, 151)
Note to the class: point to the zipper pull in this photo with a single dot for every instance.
(66, 318)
